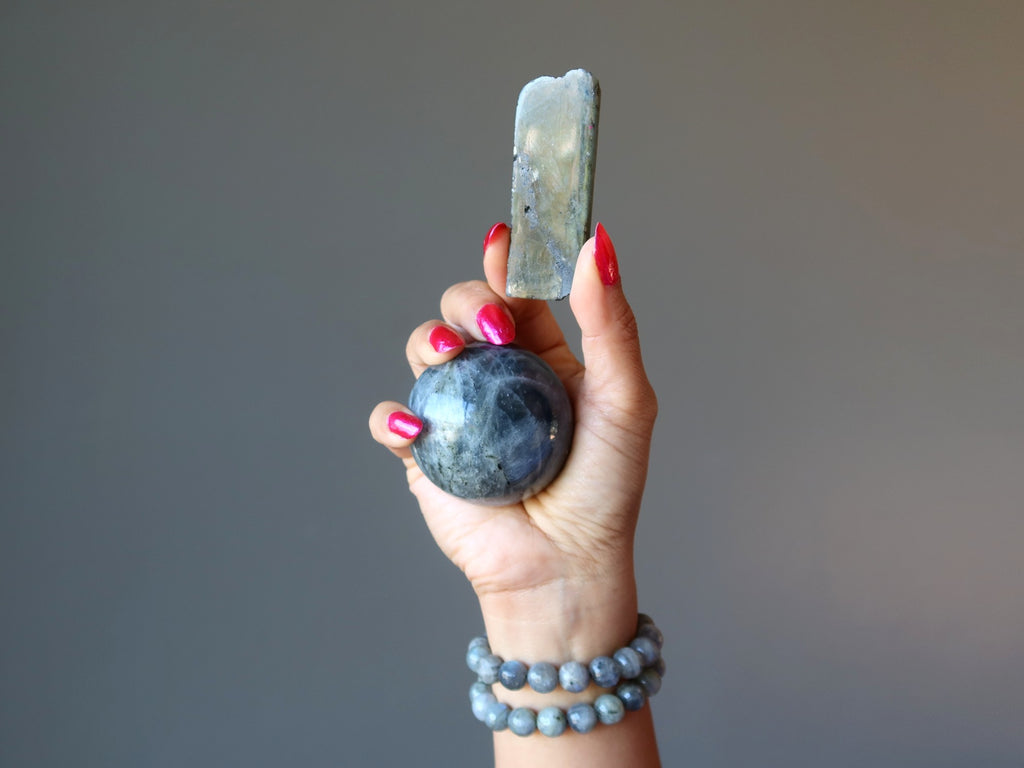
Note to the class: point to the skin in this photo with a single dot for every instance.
(554, 574)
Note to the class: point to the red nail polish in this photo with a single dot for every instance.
(444, 339)
(500, 228)
(404, 424)
(495, 325)
(604, 257)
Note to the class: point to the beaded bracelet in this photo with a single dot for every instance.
(605, 671)
(608, 708)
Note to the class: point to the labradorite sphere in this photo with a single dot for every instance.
(497, 424)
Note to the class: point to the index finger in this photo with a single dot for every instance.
(536, 326)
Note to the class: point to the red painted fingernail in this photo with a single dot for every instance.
(500, 228)
(604, 257)
(444, 339)
(495, 325)
(404, 424)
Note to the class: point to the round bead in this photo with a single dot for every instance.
(543, 677)
(478, 641)
(632, 696)
(474, 654)
(496, 716)
(481, 703)
(642, 619)
(573, 677)
(582, 717)
(478, 689)
(522, 721)
(487, 668)
(604, 671)
(609, 708)
(651, 681)
(651, 631)
(659, 667)
(630, 663)
(551, 721)
(512, 675)
(647, 648)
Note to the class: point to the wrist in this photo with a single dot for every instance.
(565, 619)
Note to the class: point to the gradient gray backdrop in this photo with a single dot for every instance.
(220, 220)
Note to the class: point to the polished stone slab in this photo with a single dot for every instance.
(554, 153)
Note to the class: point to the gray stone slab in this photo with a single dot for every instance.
(554, 153)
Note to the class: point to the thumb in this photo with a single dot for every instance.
(615, 379)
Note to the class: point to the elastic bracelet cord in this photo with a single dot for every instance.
(634, 671)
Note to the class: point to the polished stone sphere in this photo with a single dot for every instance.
(497, 424)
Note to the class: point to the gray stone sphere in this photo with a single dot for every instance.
(497, 424)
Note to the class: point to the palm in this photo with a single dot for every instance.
(525, 545)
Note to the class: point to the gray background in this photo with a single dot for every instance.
(220, 220)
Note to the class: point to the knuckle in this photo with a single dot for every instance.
(641, 401)
(647, 405)
(460, 292)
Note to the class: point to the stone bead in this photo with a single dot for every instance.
(497, 424)
(630, 663)
(522, 721)
(582, 717)
(512, 675)
(604, 671)
(481, 703)
(474, 654)
(609, 708)
(648, 650)
(478, 689)
(573, 677)
(651, 631)
(632, 696)
(543, 677)
(551, 721)
(659, 666)
(487, 668)
(651, 681)
(496, 716)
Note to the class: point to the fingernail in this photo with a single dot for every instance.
(404, 424)
(444, 339)
(500, 228)
(604, 257)
(495, 325)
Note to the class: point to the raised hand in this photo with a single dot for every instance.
(581, 526)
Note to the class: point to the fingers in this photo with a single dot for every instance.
(479, 312)
(611, 346)
(395, 427)
(473, 310)
(432, 343)
(536, 327)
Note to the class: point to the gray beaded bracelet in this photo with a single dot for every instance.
(640, 664)
(627, 663)
(608, 708)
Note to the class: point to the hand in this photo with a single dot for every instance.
(560, 563)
